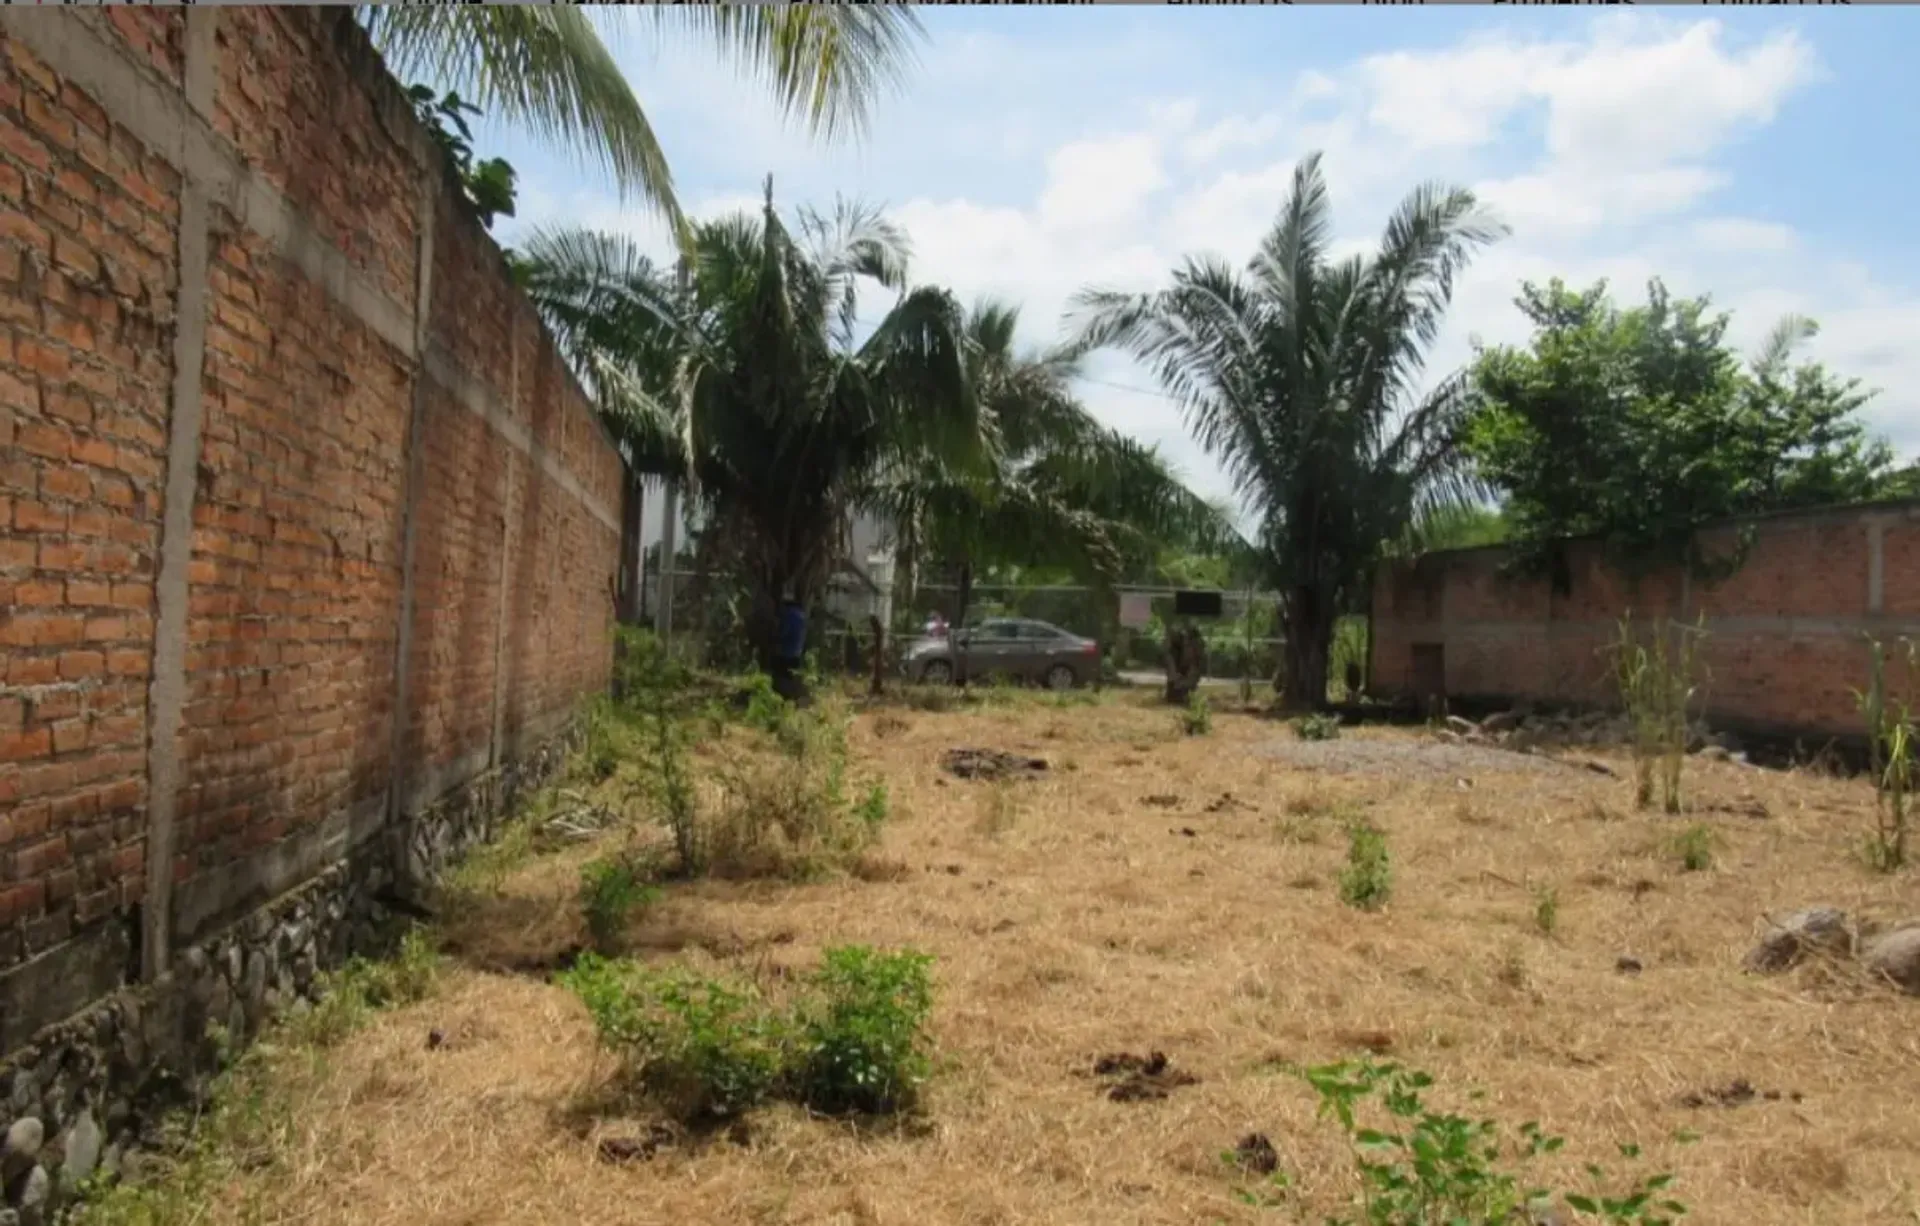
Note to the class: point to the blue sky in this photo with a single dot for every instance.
(1765, 156)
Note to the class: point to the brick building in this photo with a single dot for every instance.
(1785, 646)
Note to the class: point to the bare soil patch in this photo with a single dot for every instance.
(1074, 926)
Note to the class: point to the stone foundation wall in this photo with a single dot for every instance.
(89, 1093)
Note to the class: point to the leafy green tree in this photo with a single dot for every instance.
(751, 387)
(1901, 482)
(1300, 374)
(1636, 425)
(544, 66)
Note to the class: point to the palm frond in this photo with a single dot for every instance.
(539, 65)
(826, 64)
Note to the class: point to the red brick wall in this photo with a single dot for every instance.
(326, 433)
(1785, 647)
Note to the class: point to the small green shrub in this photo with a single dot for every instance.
(599, 748)
(873, 807)
(853, 1042)
(1367, 880)
(1546, 909)
(611, 890)
(1420, 1165)
(1317, 727)
(1657, 686)
(1196, 718)
(765, 709)
(1893, 748)
(1694, 846)
(704, 1048)
(349, 995)
(862, 1045)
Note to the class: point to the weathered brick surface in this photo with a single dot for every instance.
(86, 300)
(296, 577)
(311, 397)
(1785, 647)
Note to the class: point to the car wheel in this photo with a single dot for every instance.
(1061, 677)
(939, 672)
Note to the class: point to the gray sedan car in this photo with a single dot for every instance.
(1007, 647)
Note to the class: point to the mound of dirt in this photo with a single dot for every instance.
(991, 764)
(1134, 1079)
(1735, 1093)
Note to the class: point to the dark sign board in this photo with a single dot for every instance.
(1196, 604)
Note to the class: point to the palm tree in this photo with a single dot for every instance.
(1058, 488)
(750, 388)
(1301, 375)
(545, 66)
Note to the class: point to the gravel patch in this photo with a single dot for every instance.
(1407, 758)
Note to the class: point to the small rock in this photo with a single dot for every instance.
(1500, 721)
(434, 1039)
(26, 1137)
(1627, 964)
(36, 1197)
(1896, 955)
(22, 1148)
(1462, 725)
(1792, 937)
(83, 1149)
(1714, 753)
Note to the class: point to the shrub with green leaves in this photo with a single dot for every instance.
(1658, 686)
(873, 807)
(1894, 752)
(854, 1041)
(705, 1048)
(862, 1045)
(1317, 727)
(1196, 718)
(612, 888)
(1367, 880)
(1694, 847)
(1546, 909)
(1423, 1167)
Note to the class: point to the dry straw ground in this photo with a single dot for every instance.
(1157, 891)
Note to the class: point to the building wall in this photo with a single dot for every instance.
(1785, 647)
(304, 527)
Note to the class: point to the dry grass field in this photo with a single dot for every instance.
(1153, 891)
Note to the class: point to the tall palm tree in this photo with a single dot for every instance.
(1057, 488)
(1301, 375)
(750, 388)
(545, 66)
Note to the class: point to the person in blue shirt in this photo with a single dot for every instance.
(790, 647)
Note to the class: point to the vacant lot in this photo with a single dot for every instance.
(1152, 891)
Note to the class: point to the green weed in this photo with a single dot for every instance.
(705, 1048)
(1694, 847)
(1546, 909)
(1316, 727)
(1419, 1165)
(1367, 880)
(1196, 718)
(1657, 687)
(1893, 748)
(861, 1038)
(853, 1042)
(612, 888)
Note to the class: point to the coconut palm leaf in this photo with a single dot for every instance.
(545, 67)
